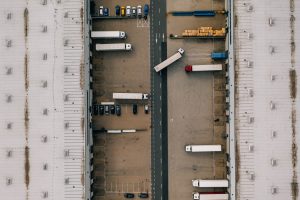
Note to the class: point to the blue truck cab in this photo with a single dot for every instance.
(146, 11)
(219, 55)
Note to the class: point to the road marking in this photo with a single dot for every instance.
(163, 37)
(156, 38)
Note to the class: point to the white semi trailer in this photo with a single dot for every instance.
(203, 148)
(203, 68)
(210, 183)
(114, 47)
(108, 35)
(169, 61)
(210, 196)
(133, 96)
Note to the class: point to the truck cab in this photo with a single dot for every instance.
(188, 68)
(146, 11)
(145, 96)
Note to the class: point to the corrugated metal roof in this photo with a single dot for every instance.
(42, 107)
(263, 101)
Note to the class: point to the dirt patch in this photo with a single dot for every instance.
(295, 190)
(294, 145)
(82, 73)
(82, 125)
(26, 72)
(293, 83)
(294, 184)
(237, 163)
(293, 94)
(26, 119)
(27, 167)
(81, 17)
(26, 23)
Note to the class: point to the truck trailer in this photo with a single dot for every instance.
(203, 68)
(210, 183)
(169, 61)
(134, 96)
(108, 34)
(210, 196)
(114, 47)
(203, 148)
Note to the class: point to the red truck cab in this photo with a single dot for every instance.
(188, 68)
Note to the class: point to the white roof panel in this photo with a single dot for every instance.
(263, 118)
(33, 118)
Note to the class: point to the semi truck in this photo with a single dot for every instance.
(134, 96)
(203, 148)
(219, 55)
(169, 61)
(108, 34)
(203, 68)
(114, 47)
(210, 196)
(197, 13)
(210, 183)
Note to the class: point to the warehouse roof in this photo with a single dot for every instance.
(267, 98)
(41, 91)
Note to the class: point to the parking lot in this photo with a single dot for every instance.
(122, 162)
(196, 102)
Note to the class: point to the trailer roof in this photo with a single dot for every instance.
(267, 98)
(41, 107)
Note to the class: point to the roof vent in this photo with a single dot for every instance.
(67, 125)
(8, 43)
(66, 70)
(249, 36)
(271, 21)
(250, 92)
(249, 64)
(44, 28)
(66, 97)
(273, 134)
(45, 166)
(45, 56)
(44, 138)
(273, 162)
(8, 98)
(250, 120)
(272, 105)
(44, 2)
(67, 153)
(45, 111)
(67, 181)
(273, 77)
(44, 84)
(249, 8)
(9, 125)
(66, 42)
(251, 176)
(274, 190)
(9, 16)
(9, 153)
(66, 15)
(251, 147)
(8, 181)
(8, 70)
(45, 195)
(271, 49)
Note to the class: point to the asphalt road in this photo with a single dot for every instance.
(159, 148)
